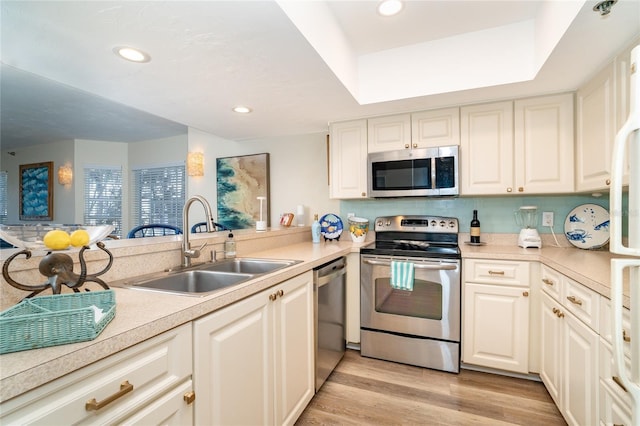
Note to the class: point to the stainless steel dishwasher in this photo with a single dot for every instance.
(329, 297)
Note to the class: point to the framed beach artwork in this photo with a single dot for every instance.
(36, 191)
(240, 181)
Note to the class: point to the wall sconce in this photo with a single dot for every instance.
(195, 164)
(65, 175)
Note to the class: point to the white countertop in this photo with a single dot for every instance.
(141, 315)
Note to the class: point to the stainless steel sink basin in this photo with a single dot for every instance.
(245, 265)
(203, 279)
(192, 282)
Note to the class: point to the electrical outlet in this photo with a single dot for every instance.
(547, 218)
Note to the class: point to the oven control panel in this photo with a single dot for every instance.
(417, 224)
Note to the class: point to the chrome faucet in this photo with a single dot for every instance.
(187, 252)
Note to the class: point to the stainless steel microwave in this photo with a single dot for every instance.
(420, 172)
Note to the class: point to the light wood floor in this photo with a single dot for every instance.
(369, 391)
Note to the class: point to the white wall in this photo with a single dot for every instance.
(298, 172)
(61, 153)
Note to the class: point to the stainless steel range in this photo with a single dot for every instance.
(420, 326)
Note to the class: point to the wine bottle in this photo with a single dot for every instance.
(475, 228)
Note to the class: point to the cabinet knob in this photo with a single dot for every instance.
(520, 189)
(273, 297)
(607, 182)
(560, 314)
(415, 145)
(509, 189)
(525, 293)
(364, 194)
(189, 397)
(406, 146)
(280, 293)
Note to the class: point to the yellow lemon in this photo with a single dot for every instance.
(56, 240)
(79, 238)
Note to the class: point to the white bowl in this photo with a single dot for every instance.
(30, 236)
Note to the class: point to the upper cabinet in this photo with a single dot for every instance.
(389, 133)
(602, 108)
(486, 148)
(425, 129)
(522, 147)
(348, 159)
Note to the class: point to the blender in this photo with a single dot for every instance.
(527, 217)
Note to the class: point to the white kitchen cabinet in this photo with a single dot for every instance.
(569, 347)
(254, 360)
(496, 314)
(486, 149)
(595, 131)
(615, 401)
(434, 128)
(348, 159)
(543, 142)
(389, 133)
(154, 373)
(521, 147)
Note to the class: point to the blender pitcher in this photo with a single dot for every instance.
(527, 218)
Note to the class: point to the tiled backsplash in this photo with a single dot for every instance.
(496, 214)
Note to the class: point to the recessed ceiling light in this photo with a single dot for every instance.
(241, 109)
(131, 54)
(389, 7)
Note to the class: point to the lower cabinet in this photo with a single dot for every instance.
(149, 383)
(569, 347)
(254, 360)
(495, 330)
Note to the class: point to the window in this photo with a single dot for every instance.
(158, 195)
(103, 197)
(3, 196)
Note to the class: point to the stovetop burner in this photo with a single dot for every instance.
(415, 236)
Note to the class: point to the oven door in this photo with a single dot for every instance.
(431, 309)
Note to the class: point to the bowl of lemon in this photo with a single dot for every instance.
(53, 236)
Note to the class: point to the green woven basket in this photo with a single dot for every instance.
(55, 320)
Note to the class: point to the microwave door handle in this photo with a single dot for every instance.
(433, 173)
(437, 267)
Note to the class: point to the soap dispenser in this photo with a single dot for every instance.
(230, 247)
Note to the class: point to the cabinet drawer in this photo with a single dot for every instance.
(497, 272)
(151, 368)
(551, 282)
(582, 302)
(606, 371)
(606, 327)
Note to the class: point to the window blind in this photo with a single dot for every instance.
(103, 197)
(158, 195)
(3, 197)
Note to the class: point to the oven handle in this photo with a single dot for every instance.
(438, 267)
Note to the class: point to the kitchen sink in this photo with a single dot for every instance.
(192, 282)
(206, 278)
(247, 265)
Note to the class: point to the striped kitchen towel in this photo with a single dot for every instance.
(402, 275)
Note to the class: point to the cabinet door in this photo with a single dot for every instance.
(544, 144)
(550, 347)
(496, 327)
(294, 355)
(233, 365)
(435, 128)
(580, 382)
(348, 159)
(486, 149)
(595, 126)
(389, 133)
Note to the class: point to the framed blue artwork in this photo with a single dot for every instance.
(36, 191)
(240, 181)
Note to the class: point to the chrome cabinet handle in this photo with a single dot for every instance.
(94, 405)
(575, 301)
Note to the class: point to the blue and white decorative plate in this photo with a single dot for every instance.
(331, 226)
(587, 226)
